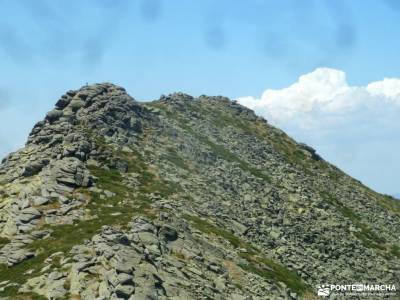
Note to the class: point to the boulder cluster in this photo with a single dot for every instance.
(149, 260)
(182, 198)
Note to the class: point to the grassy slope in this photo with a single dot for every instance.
(108, 211)
(65, 236)
(293, 154)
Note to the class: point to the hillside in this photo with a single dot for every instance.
(182, 198)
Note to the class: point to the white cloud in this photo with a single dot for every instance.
(388, 88)
(355, 127)
(321, 98)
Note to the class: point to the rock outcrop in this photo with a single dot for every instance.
(182, 198)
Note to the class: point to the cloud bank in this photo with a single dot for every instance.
(355, 127)
(323, 98)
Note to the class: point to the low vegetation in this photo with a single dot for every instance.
(395, 250)
(117, 210)
(173, 157)
(219, 150)
(3, 241)
(256, 262)
(390, 203)
(365, 234)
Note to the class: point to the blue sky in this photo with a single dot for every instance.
(234, 48)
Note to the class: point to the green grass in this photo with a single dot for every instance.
(149, 183)
(395, 250)
(386, 201)
(223, 153)
(3, 241)
(282, 143)
(64, 237)
(173, 157)
(255, 262)
(365, 234)
(220, 117)
(124, 203)
(219, 150)
(299, 155)
(271, 270)
(207, 227)
(390, 203)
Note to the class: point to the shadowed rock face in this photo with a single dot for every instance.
(182, 198)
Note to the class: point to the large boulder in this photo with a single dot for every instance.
(71, 172)
(33, 167)
(54, 115)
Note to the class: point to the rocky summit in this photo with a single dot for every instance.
(182, 198)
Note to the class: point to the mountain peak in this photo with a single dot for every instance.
(182, 198)
(177, 96)
(91, 106)
(72, 101)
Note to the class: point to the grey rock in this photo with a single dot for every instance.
(70, 172)
(124, 291)
(109, 194)
(63, 102)
(39, 200)
(28, 214)
(54, 115)
(197, 196)
(168, 233)
(76, 104)
(125, 279)
(34, 167)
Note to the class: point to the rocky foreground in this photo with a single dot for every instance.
(182, 198)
